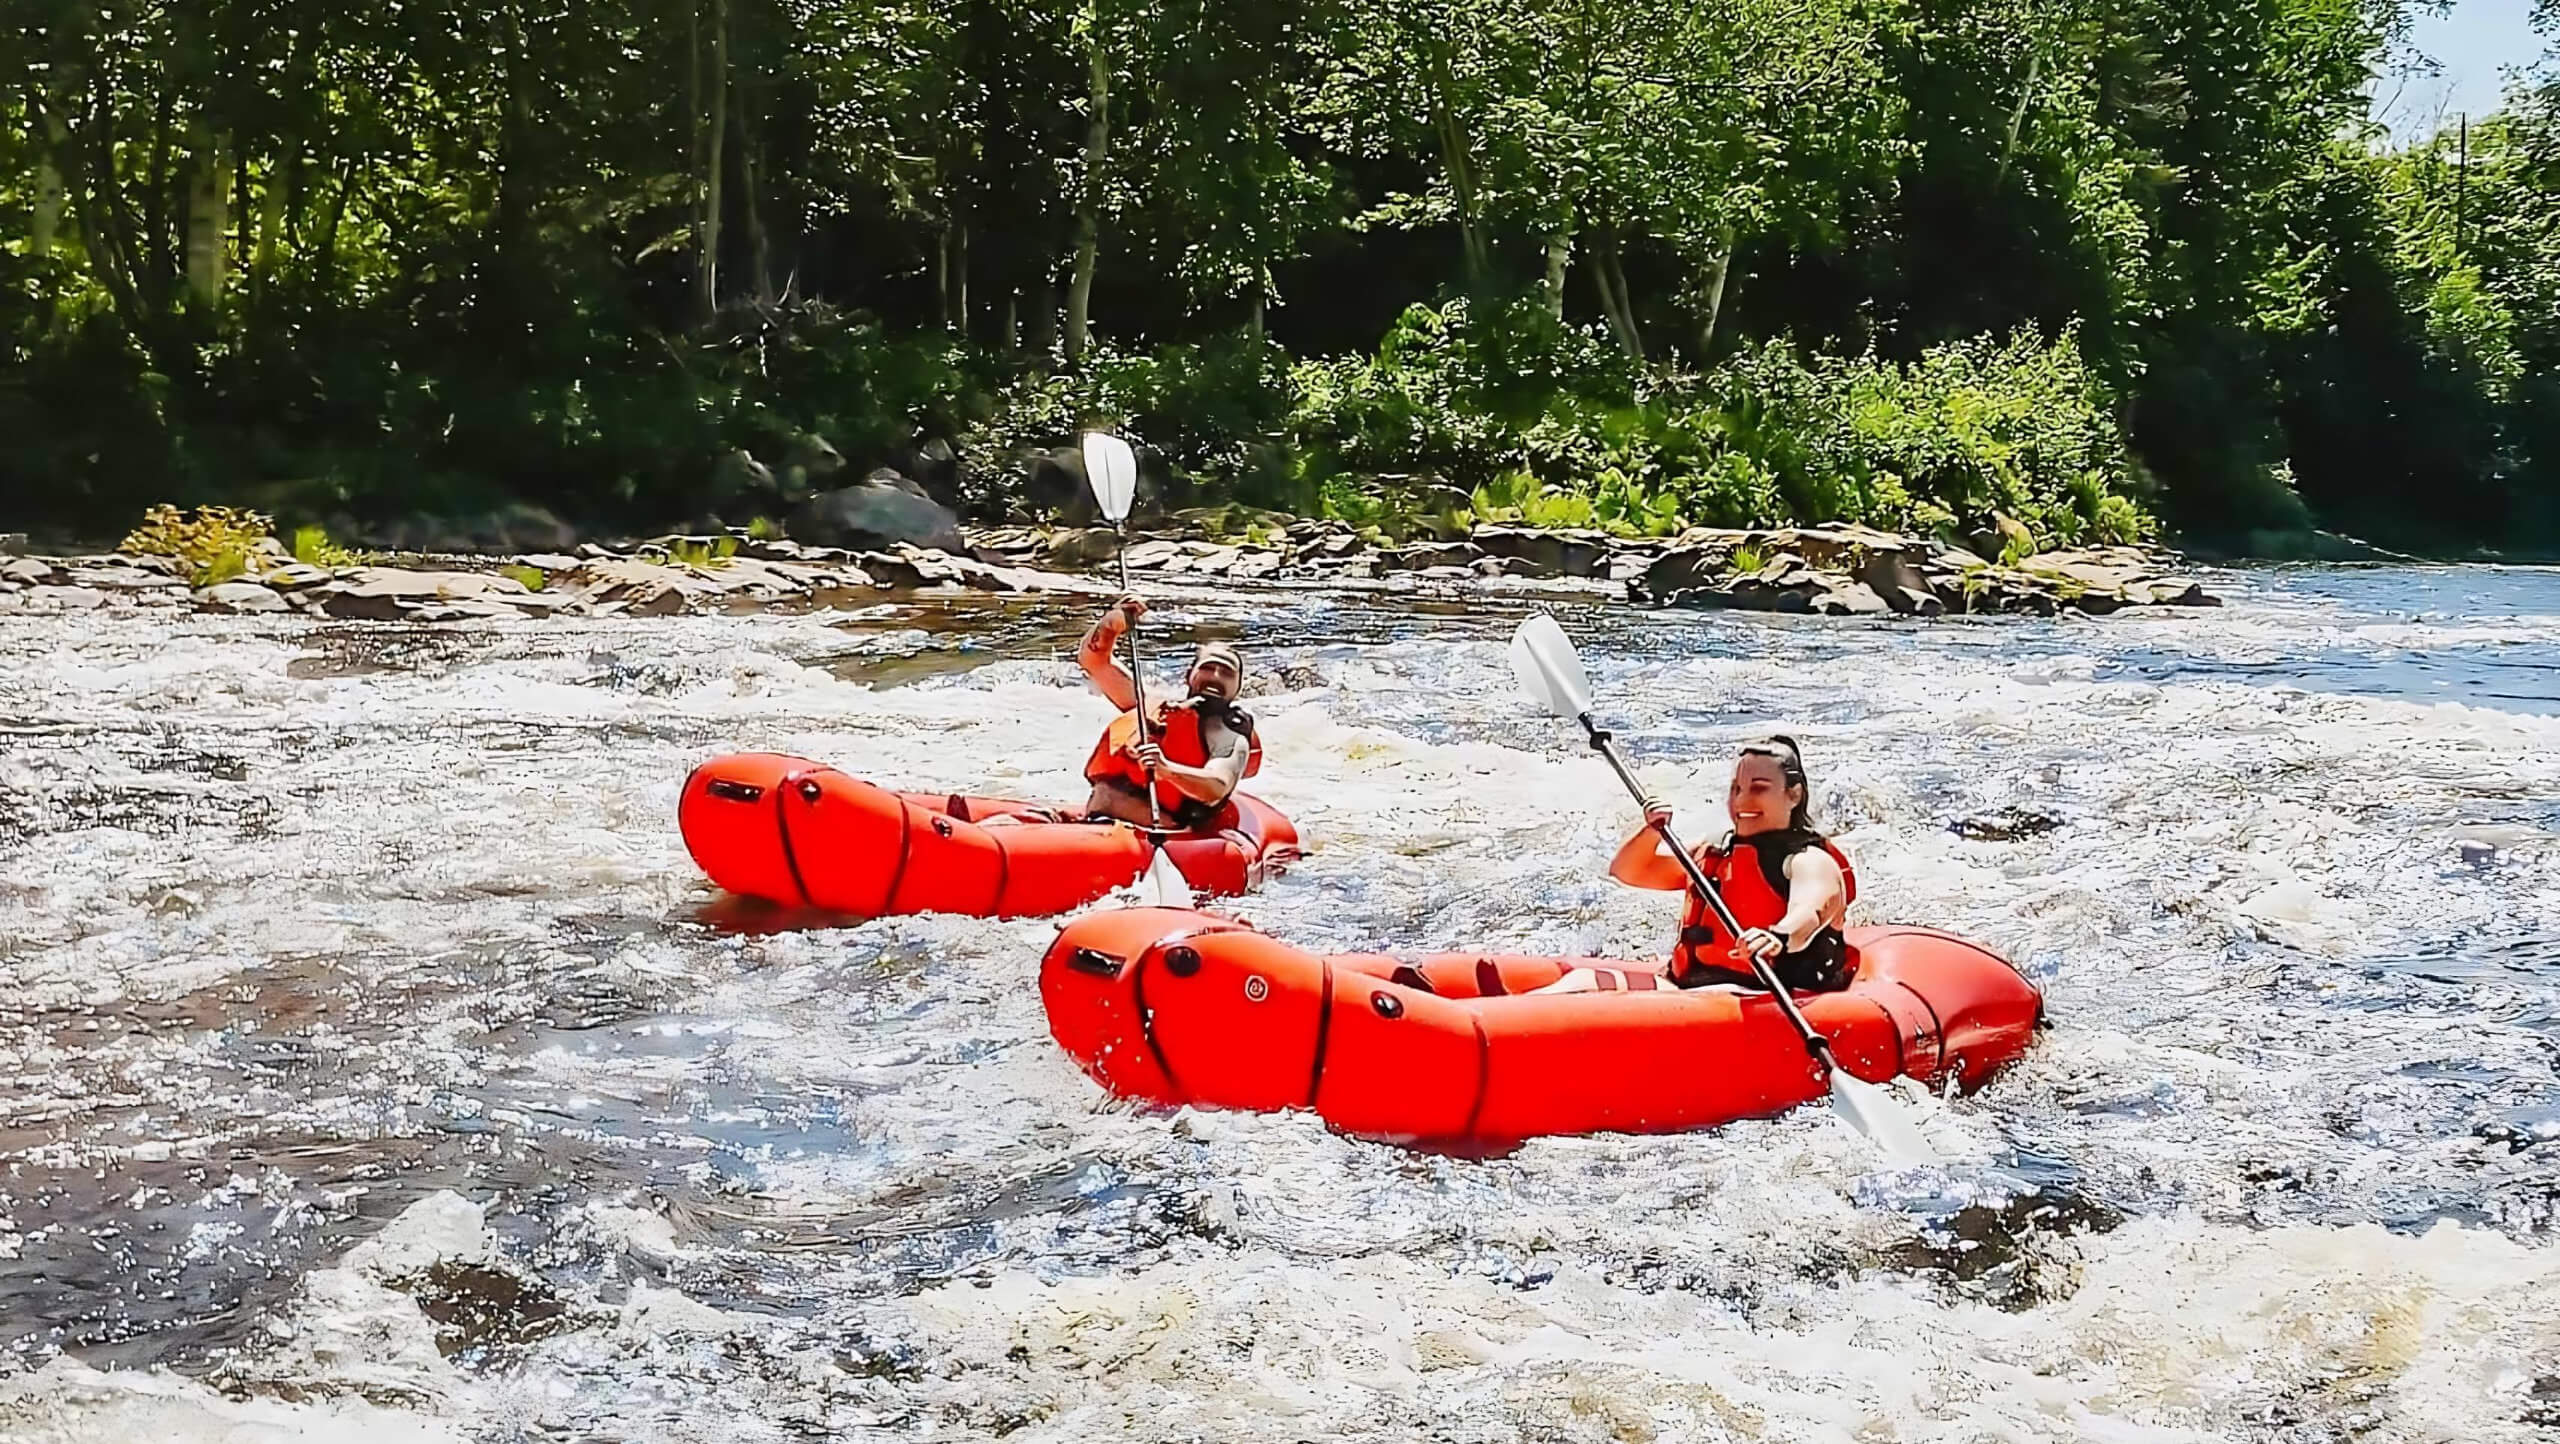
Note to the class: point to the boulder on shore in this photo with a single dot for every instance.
(883, 510)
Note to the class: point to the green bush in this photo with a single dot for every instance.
(312, 547)
(1551, 429)
(213, 543)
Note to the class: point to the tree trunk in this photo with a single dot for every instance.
(2018, 116)
(750, 204)
(88, 210)
(1626, 304)
(1717, 270)
(716, 109)
(243, 215)
(106, 227)
(1453, 159)
(156, 254)
(1097, 142)
(208, 183)
(1559, 256)
(1612, 281)
(1253, 317)
(960, 277)
(50, 200)
(262, 258)
(326, 247)
(942, 276)
(1012, 322)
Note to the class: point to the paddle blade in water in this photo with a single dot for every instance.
(1112, 469)
(1164, 886)
(1549, 669)
(1872, 1111)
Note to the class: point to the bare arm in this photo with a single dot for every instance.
(1211, 781)
(1817, 897)
(1643, 861)
(1100, 658)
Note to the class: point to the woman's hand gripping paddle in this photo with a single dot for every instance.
(1551, 672)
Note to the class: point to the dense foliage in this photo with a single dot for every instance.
(1644, 264)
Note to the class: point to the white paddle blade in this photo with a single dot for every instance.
(1112, 469)
(1549, 669)
(1164, 886)
(1872, 1111)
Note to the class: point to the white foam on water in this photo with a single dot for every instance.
(840, 1183)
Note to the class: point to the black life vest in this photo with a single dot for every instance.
(1751, 874)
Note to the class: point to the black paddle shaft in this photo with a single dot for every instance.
(1138, 687)
(1814, 1042)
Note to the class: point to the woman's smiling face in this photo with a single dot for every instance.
(1760, 799)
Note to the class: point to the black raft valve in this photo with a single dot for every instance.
(1182, 962)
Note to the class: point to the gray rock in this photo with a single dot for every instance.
(240, 597)
(293, 576)
(1631, 565)
(914, 568)
(117, 577)
(627, 586)
(543, 603)
(1082, 547)
(389, 594)
(463, 609)
(12, 543)
(1997, 533)
(876, 514)
(810, 464)
(1331, 546)
(1254, 562)
(1543, 552)
(25, 571)
(737, 474)
(1696, 563)
(1153, 553)
(521, 527)
(1850, 599)
(1425, 556)
(2004, 824)
(1214, 561)
(1895, 575)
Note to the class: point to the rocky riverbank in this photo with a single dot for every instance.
(1835, 571)
(1840, 571)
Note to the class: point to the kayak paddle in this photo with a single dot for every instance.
(1111, 468)
(1551, 671)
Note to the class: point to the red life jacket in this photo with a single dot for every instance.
(1751, 874)
(1177, 731)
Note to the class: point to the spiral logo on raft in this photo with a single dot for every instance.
(1255, 989)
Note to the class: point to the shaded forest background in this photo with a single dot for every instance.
(2097, 266)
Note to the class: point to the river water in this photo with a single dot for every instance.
(332, 954)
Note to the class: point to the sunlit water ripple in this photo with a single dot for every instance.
(308, 929)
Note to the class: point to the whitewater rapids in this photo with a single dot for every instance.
(375, 1066)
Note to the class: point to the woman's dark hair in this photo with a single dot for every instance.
(1790, 760)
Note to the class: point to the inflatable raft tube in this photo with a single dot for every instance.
(1184, 1008)
(802, 834)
